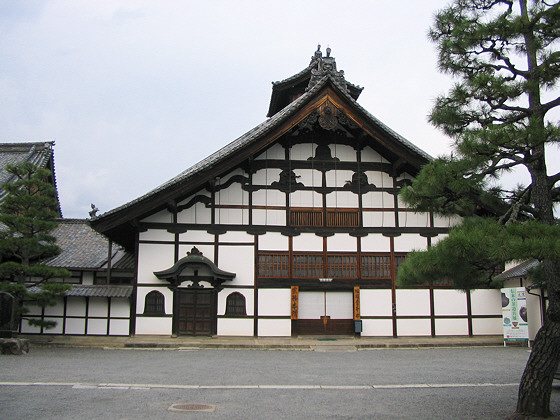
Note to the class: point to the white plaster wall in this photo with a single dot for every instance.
(487, 326)
(340, 242)
(120, 307)
(75, 325)
(249, 300)
(452, 327)
(239, 260)
(450, 302)
(204, 193)
(269, 217)
(274, 302)
(343, 152)
(378, 200)
(370, 155)
(198, 213)
(411, 219)
(153, 325)
(235, 327)
(273, 241)
(410, 242)
(338, 178)
(306, 199)
(57, 328)
(97, 327)
(119, 327)
(275, 327)
(342, 199)
(233, 194)
(533, 314)
(269, 198)
(413, 302)
(232, 216)
(30, 329)
(56, 310)
(309, 177)
(375, 242)
(446, 221)
(156, 235)
(413, 327)
(274, 152)
(266, 176)
(87, 277)
(302, 151)
(98, 306)
(377, 327)
(376, 302)
(76, 306)
(308, 242)
(197, 236)
(436, 239)
(206, 249)
(153, 257)
(141, 298)
(380, 180)
(162, 216)
(234, 236)
(378, 219)
(486, 302)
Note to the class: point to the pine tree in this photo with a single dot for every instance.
(27, 217)
(504, 54)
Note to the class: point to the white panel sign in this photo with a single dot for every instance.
(514, 314)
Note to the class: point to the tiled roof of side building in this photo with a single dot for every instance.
(82, 247)
(81, 290)
(520, 270)
(40, 154)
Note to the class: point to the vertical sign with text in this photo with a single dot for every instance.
(514, 314)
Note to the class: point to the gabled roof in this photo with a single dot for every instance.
(39, 154)
(118, 224)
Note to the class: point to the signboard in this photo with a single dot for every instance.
(514, 314)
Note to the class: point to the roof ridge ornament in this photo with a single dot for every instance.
(325, 66)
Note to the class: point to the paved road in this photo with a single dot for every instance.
(69, 383)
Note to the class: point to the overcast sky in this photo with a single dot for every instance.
(134, 92)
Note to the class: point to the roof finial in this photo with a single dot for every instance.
(318, 54)
(328, 51)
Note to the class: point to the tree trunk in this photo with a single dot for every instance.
(536, 383)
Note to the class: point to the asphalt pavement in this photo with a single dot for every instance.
(331, 382)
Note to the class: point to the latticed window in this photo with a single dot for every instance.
(342, 266)
(376, 266)
(315, 217)
(273, 265)
(154, 304)
(235, 304)
(308, 265)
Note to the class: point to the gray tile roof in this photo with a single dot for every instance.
(251, 135)
(519, 270)
(40, 154)
(82, 247)
(95, 291)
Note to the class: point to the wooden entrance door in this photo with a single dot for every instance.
(197, 312)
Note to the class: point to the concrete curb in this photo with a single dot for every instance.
(306, 343)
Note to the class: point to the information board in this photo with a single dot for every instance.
(514, 314)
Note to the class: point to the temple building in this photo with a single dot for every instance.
(294, 228)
